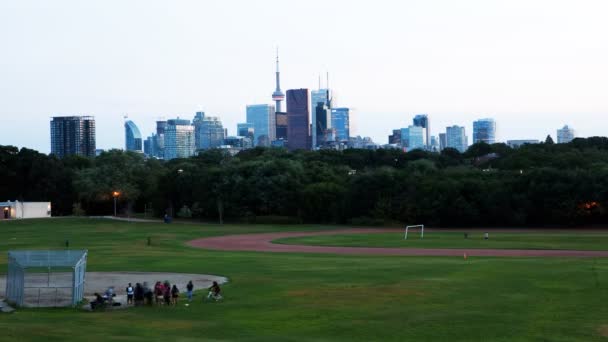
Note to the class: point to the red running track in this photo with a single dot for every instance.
(263, 243)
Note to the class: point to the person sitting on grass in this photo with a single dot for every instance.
(98, 303)
(215, 291)
(174, 294)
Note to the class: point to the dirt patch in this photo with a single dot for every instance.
(603, 330)
(100, 281)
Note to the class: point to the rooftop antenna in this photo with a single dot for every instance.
(319, 81)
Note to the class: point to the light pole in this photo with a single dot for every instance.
(115, 194)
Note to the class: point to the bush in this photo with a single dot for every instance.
(185, 212)
(77, 210)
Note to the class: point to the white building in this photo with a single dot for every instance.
(21, 210)
(565, 135)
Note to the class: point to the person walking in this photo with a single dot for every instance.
(130, 294)
(190, 288)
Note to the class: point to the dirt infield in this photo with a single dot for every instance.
(99, 282)
(263, 243)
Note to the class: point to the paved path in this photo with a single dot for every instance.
(263, 243)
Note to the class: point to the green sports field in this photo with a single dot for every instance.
(309, 297)
(559, 240)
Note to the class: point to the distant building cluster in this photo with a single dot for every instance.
(311, 121)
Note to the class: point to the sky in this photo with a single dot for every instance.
(532, 65)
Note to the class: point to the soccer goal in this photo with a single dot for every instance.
(421, 226)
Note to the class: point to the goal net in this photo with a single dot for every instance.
(419, 227)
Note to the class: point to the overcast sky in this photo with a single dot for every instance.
(533, 65)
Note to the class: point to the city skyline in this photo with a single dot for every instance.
(541, 63)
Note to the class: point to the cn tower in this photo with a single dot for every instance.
(278, 96)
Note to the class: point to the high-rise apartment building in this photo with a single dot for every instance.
(484, 130)
(340, 121)
(178, 139)
(263, 119)
(133, 140)
(298, 119)
(565, 135)
(73, 135)
(456, 138)
(422, 120)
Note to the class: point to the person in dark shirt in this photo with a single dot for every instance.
(174, 294)
(139, 294)
(98, 302)
(190, 288)
(215, 291)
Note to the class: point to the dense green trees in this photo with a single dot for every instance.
(489, 185)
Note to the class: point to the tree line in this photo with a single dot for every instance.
(488, 185)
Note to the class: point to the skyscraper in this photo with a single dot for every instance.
(456, 138)
(133, 140)
(246, 131)
(179, 139)
(395, 138)
(73, 135)
(412, 137)
(263, 119)
(322, 97)
(208, 132)
(422, 120)
(278, 95)
(281, 122)
(443, 141)
(322, 124)
(298, 119)
(565, 135)
(484, 130)
(340, 121)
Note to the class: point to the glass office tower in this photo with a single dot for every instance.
(484, 130)
(298, 119)
(179, 139)
(133, 140)
(412, 138)
(263, 119)
(340, 121)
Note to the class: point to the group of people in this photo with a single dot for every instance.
(164, 293)
(161, 293)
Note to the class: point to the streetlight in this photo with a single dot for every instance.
(115, 194)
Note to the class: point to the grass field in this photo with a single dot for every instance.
(293, 297)
(570, 240)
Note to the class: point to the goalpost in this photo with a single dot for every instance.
(421, 226)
